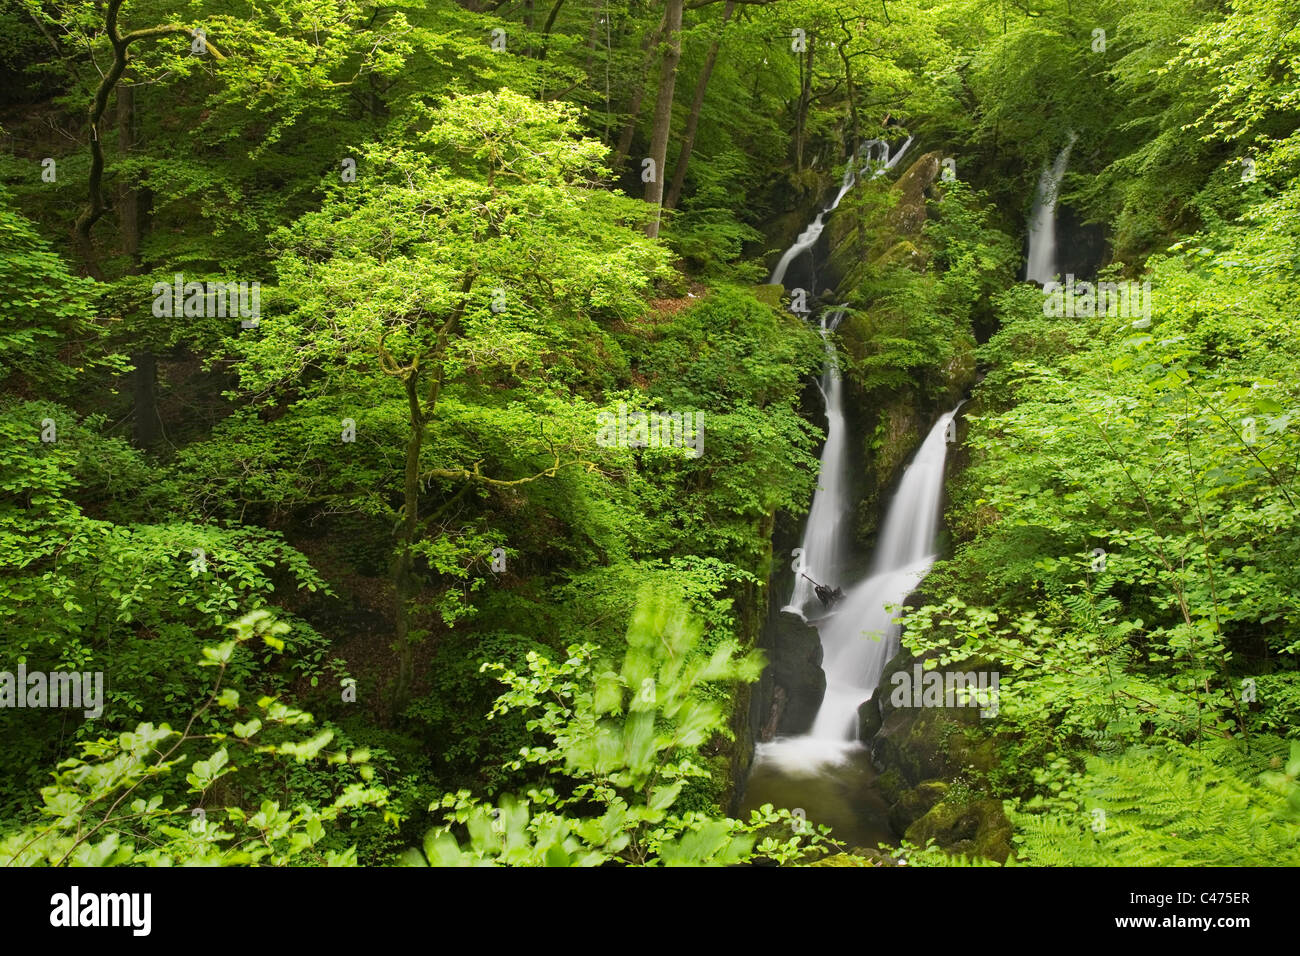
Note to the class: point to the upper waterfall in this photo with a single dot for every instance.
(1041, 264)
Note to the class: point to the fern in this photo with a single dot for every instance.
(1209, 808)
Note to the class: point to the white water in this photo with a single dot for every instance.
(823, 536)
(859, 635)
(1041, 265)
(808, 238)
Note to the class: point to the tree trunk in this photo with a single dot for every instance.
(693, 120)
(95, 205)
(128, 199)
(145, 428)
(654, 189)
(405, 585)
(638, 94)
(547, 26)
(805, 100)
(855, 131)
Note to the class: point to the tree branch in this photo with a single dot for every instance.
(96, 206)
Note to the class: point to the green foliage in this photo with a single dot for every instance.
(1127, 532)
(116, 805)
(482, 290)
(623, 744)
(43, 310)
(1147, 808)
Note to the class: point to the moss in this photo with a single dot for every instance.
(916, 803)
(890, 784)
(973, 750)
(902, 253)
(769, 295)
(858, 856)
(966, 824)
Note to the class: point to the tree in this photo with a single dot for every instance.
(663, 115)
(473, 232)
(693, 117)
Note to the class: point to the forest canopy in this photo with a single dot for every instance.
(405, 435)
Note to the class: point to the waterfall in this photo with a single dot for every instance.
(823, 536)
(824, 532)
(1041, 263)
(860, 637)
(877, 153)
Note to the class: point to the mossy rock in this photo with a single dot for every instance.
(898, 435)
(918, 742)
(853, 241)
(840, 231)
(916, 803)
(968, 826)
(769, 294)
(891, 785)
(903, 253)
(971, 749)
(858, 856)
(909, 214)
(869, 720)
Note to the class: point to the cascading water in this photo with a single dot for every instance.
(823, 534)
(859, 635)
(808, 238)
(822, 545)
(827, 772)
(1040, 265)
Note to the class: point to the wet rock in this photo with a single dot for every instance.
(797, 674)
(967, 825)
(869, 720)
(916, 803)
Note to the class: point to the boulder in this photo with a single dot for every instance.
(916, 803)
(795, 682)
(967, 825)
(869, 720)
